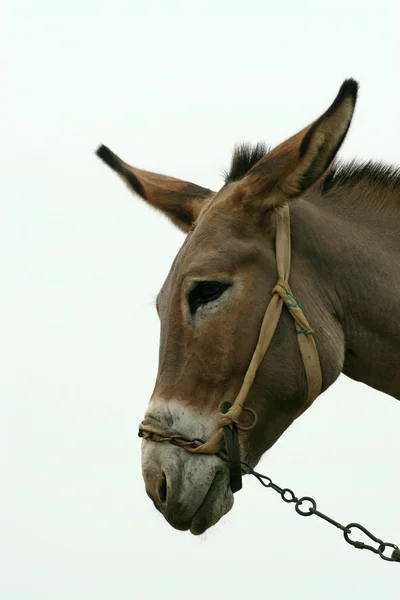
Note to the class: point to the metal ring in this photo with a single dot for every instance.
(310, 510)
(248, 427)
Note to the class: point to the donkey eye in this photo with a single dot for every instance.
(205, 292)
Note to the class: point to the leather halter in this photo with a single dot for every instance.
(229, 417)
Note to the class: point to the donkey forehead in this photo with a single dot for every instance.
(216, 247)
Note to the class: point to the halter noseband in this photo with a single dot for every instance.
(229, 416)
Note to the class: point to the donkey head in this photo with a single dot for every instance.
(212, 304)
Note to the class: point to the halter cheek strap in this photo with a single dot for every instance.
(281, 295)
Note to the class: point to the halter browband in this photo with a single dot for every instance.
(229, 417)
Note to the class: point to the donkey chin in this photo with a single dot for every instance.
(191, 491)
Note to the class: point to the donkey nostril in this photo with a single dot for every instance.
(162, 488)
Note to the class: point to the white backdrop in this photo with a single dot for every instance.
(170, 86)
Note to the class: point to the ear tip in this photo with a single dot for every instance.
(349, 88)
(107, 156)
(101, 150)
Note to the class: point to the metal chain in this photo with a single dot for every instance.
(177, 440)
(307, 506)
(304, 506)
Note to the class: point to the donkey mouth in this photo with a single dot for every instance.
(217, 501)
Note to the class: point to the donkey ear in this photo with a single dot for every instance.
(296, 164)
(181, 201)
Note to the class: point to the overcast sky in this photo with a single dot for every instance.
(170, 86)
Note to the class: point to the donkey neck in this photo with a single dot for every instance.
(354, 250)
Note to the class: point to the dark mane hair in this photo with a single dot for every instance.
(352, 173)
(342, 174)
(244, 158)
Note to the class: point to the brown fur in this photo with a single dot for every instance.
(344, 272)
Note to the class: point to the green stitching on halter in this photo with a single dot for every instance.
(290, 297)
(305, 331)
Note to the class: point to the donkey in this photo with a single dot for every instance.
(345, 252)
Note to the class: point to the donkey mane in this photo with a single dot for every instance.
(244, 158)
(341, 175)
(350, 174)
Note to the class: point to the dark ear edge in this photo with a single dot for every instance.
(349, 88)
(118, 165)
(321, 142)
